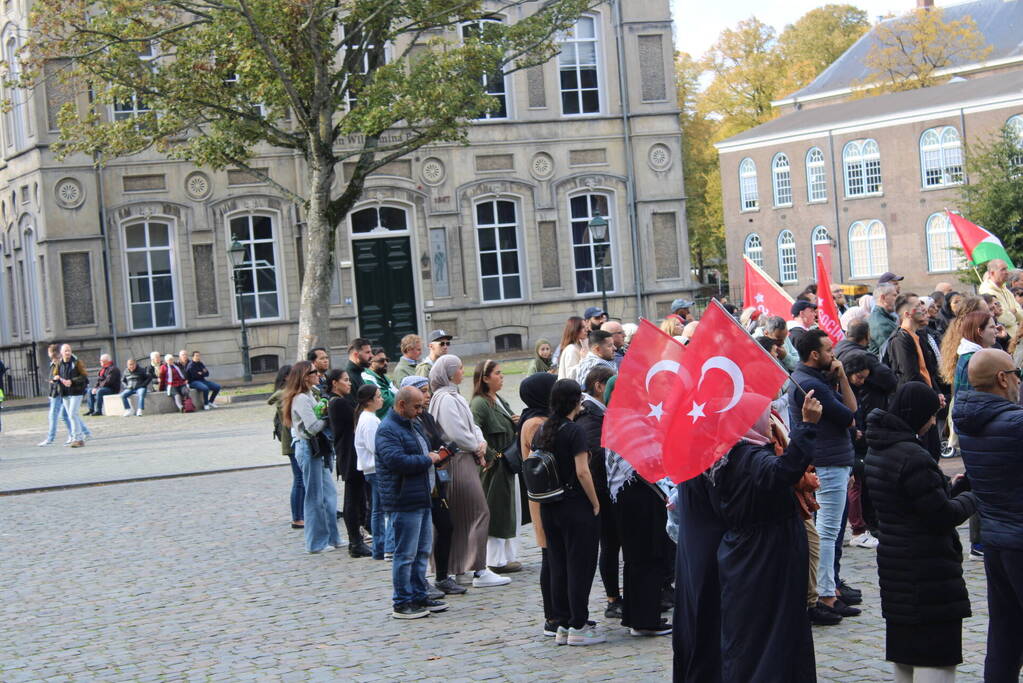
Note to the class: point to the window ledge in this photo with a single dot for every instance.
(949, 186)
(873, 195)
(756, 210)
(817, 201)
(782, 206)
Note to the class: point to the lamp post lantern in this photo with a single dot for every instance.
(237, 254)
(598, 233)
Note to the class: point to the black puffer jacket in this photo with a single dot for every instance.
(920, 558)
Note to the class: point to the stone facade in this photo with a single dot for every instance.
(156, 272)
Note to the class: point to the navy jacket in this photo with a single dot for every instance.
(990, 430)
(196, 371)
(402, 469)
(834, 443)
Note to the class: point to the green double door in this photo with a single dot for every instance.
(385, 291)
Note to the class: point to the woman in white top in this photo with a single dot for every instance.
(313, 453)
(369, 401)
(572, 350)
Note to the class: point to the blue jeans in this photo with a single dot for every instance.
(381, 524)
(57, 412)
(297, 491)
(73, 406)
(95, 401)
(140, 392)
(413, 540)
(208, 389)
(831, 496)
(320, 505)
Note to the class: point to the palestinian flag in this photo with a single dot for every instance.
(979, 244)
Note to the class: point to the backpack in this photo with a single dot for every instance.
(543, 482)
(187, 405)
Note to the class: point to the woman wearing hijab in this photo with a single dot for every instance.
(469, 513)
(919, 560)
(541, 362)
(947, 312)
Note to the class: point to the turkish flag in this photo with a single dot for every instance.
(727, 381)
(762, 293)
(827, 310)
(645, 392)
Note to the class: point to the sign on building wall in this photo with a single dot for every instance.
(439, 259)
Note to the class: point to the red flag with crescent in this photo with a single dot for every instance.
(827, 311)
(763, 293)
(646, 391)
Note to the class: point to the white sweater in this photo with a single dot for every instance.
(365, 442)
(304, 424)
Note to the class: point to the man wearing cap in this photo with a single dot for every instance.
(883, 320)
(994, 284)
(680, 307)
(440, 341)
(804, 317)
(893, 279)
(594, 317)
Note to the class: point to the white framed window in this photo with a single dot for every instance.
(941, 157)
(749, 197)
(942, 255)
(577, 68)
(135, 105)
(1015, 127)
(753, 248)
(819, 237)
(493, 84)
(379, 220)
(861, 164)
(149, 254)
(258, 280)
(361, 68)
(592, 262)
(497, 239)
(15, 118)
(781, 180)
(259, 109)
(787, 257)
(868, 249)
(816, 180)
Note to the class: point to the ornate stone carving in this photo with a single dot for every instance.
(542, 166)
(69, 193)
(433, 172)
(198, 185)
(659, 157)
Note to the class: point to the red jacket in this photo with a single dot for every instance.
(177, 376)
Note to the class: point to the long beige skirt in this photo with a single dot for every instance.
(470, 516)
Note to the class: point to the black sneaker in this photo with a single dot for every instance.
(450, 587)
(614, 609)
(410, 611)
(848, 591)
(822, 615)
(434, 593)
(360, 550)
(845, 610)
(433, 605)
(550, 628)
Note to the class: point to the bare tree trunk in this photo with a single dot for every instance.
(320, 239)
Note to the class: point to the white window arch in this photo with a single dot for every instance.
(1015, 127)
(378, 219)
(861, 164)
(749, 198)
(588, 256)
(497, 240)
(816, 181)
(941, 157)
(754, 249)
(258, 278)
(495, 84)
(149, 256)
(819, 236)
(942, 243)
(577, 68)
(868, 249)
(15, 120)
(787, 269)
(781, 180)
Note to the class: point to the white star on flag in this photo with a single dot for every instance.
(656, 410)
(697, 412)
(759, 298)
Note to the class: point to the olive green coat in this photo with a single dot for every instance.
(283, 433)
(498, 483)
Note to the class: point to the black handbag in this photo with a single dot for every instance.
(512, 457)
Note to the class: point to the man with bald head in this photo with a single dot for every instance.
(618, 339)
(994, 284)
(989, 422)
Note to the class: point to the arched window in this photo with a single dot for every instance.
(753, 249)
(380, 219)
(861, 164)
(781, 177)
(819, 237)
(577, 66)
(493, 84)
(259, 295)
(816, 183)
(942, 255)
(592, 260)
(497, 237)
(1015, 127)
(787, 257)
(749, 198)
(149, 251)
(15, 117)
(941, 157)
(868, 249)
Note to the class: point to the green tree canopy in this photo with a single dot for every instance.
(817, 39)
(993, 197)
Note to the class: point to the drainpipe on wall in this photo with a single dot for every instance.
(630, 164)
(106, 252)
(838, 224)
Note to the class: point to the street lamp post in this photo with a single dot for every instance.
(237, 255)
(598, 233)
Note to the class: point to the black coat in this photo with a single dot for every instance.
(591, 419)
(919, 559)
(903, 359)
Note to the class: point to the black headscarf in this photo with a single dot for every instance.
(535, 392)
(914, 403)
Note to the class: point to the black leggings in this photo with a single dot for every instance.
(354, 508)
(443, 529)
(545, 583)
(573, 534)
(645, 544)
(610, 546)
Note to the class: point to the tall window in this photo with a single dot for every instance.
(816, 183)
(781, 177)
(861, 162)
(941, 157)
(497, 232)
(258, 273)
(754, 249)
(941, 244)
(1015, 128)
(361, 65)
(493, 84)
(577, 67)
(16, 115)
(819, 237)
(148, 250)
(135, 105)
(868, 249)
(787, 257)
(589, 256)
(748, 195)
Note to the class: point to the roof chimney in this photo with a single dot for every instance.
(924, 4)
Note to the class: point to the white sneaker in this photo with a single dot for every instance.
(486, 578)
(212, 405)
(587, 635)
(46, 442)
(465, 579)
(126, 413)
(326, 549)
(207, 406)
(864, 540)
(138, 413)
(561, 636)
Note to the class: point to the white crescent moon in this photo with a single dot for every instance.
(725, 365)
(661, 366)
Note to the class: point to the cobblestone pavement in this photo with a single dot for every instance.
(202, 579)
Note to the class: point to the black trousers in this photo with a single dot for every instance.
(545, 583)
(641, 518)
(354, 509)
(610, 545)
(1004, 570)
(573, 534)
(443, 528)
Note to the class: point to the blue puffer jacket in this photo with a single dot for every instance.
(834, 442)
(402, 469)
(990, 430)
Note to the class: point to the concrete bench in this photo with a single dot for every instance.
(157, 403)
